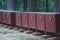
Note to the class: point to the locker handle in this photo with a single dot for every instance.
(40, 18)
(50, 19)
(25, 17)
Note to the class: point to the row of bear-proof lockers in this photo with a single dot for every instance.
(44, 22)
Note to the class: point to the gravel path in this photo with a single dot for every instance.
(6, 34)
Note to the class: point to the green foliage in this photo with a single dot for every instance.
(41, 5)
(21, 5)
(51, 5)
(3, 4)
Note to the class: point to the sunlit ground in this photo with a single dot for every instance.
(6, 34)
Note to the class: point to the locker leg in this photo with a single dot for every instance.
(45, 36)
(37, 33)
(15, 29)
(21, 30)
(29, 31)
(10, 27)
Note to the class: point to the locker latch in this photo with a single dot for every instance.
(50, 19)
(40, 18)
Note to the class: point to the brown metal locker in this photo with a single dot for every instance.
(32, 21)
(24, 20)
(50, 23)
(13, 19)
(9, 18)
(4, 17)
(0, 17)
(18, 19)
(40, 22)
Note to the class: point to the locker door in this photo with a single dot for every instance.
(3, 17)
(32, 21)
(13, 21)
(0, 17)
(24, 20)
(50, 23)
(40, 22)
(18, 19)
(8, 18)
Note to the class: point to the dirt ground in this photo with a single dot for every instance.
(6, 34)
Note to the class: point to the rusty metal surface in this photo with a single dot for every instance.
(50, 23)
(32, 21)
(4, 14)
(18, 19)
(24, 20)
(8, 18)
(40, 22)
(0, 16)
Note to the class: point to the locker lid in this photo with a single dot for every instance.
(8, 11)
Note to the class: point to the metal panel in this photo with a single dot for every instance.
(24, 20)
(18, 19)
(13, 19)
(40, 22)
(50, 23)
(4, 17)
(8, 18)
(0, 16)
(32, 21)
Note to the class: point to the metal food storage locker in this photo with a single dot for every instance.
(4, 16)
(24, 20)
(11, 18)
(32, 21)
(18, 19)
(0, 17)
(52, 23)
(40, 21)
